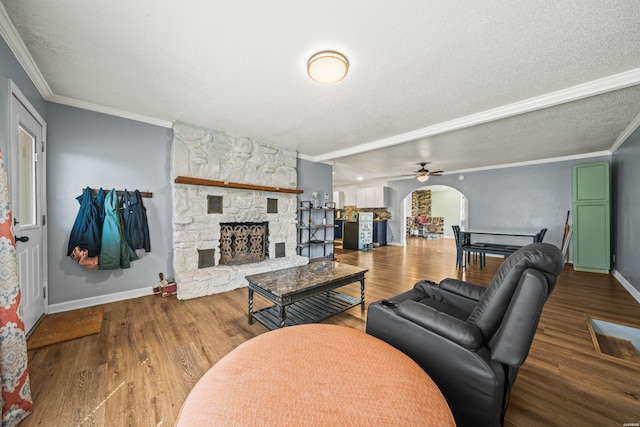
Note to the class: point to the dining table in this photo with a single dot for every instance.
(482, 248)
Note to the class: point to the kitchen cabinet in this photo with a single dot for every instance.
(337, 232)
(338, 199)
(380, 233)
(591, 221)
(373, 197)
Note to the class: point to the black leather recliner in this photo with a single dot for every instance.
(472, 339)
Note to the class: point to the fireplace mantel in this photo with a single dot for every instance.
(214, 183)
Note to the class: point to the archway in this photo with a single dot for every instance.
(440, 205)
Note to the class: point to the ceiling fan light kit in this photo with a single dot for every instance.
(423, 174)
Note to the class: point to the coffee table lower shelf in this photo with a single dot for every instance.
(313, 309)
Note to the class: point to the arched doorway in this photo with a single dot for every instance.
(430, 211)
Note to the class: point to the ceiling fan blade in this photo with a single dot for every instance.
(436, 173)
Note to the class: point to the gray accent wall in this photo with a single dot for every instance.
(98, 150)
(512, 198)
(312, 177)
(625, 212)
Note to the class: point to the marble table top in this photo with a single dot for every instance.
(294, 279)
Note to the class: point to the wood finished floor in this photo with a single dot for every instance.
(151, 351)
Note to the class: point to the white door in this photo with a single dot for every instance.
(26, 159)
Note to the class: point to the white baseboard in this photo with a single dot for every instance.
(625, 283)
(99, 300)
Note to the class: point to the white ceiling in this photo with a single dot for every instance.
(458, 84)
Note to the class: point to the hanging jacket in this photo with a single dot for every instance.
(134, 215)
(86, 233)
(100, 207)
(115, 252)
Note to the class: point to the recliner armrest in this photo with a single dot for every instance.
(462, 333)
(462, 288)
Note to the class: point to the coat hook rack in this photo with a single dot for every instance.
(145, 194)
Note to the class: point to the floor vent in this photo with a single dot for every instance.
(616, 340)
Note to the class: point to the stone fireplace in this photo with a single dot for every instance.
(221, 235)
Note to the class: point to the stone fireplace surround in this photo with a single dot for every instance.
(209, 154)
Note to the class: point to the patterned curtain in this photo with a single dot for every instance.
(14, 377)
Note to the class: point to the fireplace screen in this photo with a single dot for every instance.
(243, 242)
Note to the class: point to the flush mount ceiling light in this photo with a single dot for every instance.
(327, 67)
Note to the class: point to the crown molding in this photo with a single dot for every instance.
(10, 35)
(635, 123)
(305, 157)
(72, 102)
(574, 93)
(532, 162)
(513, 165)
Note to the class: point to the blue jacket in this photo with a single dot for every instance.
(86, 232)
(134, 216)
(115, 252)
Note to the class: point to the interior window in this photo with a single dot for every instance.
(27, 180)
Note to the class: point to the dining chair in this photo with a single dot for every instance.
(540, 236)
(463, 244)
(424, 222)
(456, 235)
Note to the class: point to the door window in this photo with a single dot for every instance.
(27, 180)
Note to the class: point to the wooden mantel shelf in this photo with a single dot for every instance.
(227, 184)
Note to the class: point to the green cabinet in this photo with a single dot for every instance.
(591, 222)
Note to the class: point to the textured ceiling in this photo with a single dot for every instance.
(458, 84)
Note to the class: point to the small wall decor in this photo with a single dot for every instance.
(214, 204)
(272, 205)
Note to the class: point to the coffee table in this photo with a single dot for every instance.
(304, 294)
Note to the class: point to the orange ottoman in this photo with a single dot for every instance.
(315, 375)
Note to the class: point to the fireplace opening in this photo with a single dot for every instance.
(243, 242)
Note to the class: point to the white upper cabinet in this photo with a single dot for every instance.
(374, 197)
(338, 198)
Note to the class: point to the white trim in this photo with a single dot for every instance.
(513, 165)
(533, 162)
(625, 283)
(305, 157)
(635, 123)
(15, 91)
(574, 93)
(99, 300)
(14, 41)
(108, 110)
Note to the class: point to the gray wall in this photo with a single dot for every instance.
(514, 198)
(97, 150)
(625, 212)
(10, 68)
(315, 177)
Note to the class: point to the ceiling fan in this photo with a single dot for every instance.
(423, 174)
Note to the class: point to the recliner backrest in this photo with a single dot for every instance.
(493, 305)
(511, 342)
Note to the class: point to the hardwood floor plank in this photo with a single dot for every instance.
(151, 351)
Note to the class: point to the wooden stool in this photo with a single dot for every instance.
(315, 375)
